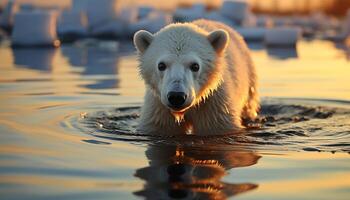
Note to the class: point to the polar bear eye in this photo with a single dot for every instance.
(194, 67)
(161, 66)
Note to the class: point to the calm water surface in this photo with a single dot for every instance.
(67, 119)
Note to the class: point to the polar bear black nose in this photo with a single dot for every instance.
(176, 99)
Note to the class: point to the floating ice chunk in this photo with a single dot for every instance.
(116, 28)
(282, 52)
(185, 15)
(282, 36)
(237, 10)
(26, 7)
(252, 33)
(71, 26)
(153, 23)
(197, 11)
(333, 30)
(128, 15)
(301, 21)
(2, 35)
(321, 21)
(309, 25)
(80, 5)
(216, 16)
(264, 21)
(144, 11)
(346, 26)
(257, 46)
(110, 30)
(282, 21)
(100, 11)
(250, 20)
(198, 7)
(35, 29)
(6, 17)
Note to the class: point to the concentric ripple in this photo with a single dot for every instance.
(283, 124)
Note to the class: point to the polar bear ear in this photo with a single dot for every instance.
(142, 39)
(219, 40)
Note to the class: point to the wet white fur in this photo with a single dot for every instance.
(223, 91)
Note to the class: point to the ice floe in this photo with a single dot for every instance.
(37, 28)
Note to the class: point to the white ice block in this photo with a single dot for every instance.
(128, 15)
(197, 11)
(101, 11)
(321, 21)
(2, 35)
(6, 17)
(35, 28)
(198, 7)
(252, 33)
(282, 21)
(346, 26)
(264, 21)
(72, 22)
(26, 7)
(216, 16)
(250, 20)
(117, 27)
(112, 29)
(282, 36)
(144, 11)
(302, 21)
(80, 5)
(236, 10)
(153, 23)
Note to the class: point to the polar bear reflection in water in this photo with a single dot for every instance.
(188, 173)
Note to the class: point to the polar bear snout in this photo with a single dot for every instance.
(176, 99)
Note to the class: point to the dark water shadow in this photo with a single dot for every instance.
(34, 58)
(95, 61)
(282, 52)
(74, 55)
(126, 48)
(101, 62)
(257, 46)
(282, 125)
(178, 172)
(345, 48)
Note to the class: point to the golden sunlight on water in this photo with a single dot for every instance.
(49, 151)
(129, 77)
(315, 73)
(313, 183)
(68, 118)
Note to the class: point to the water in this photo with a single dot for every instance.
(68, 118)
(281, 126)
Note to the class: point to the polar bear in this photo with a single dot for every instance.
(199, 77)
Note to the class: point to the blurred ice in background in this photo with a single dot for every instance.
(63, 60)
(273, 22)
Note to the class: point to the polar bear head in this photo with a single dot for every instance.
(182, 64)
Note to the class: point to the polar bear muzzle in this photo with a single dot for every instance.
(176, 99)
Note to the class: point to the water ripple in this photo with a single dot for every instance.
(282, 125)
